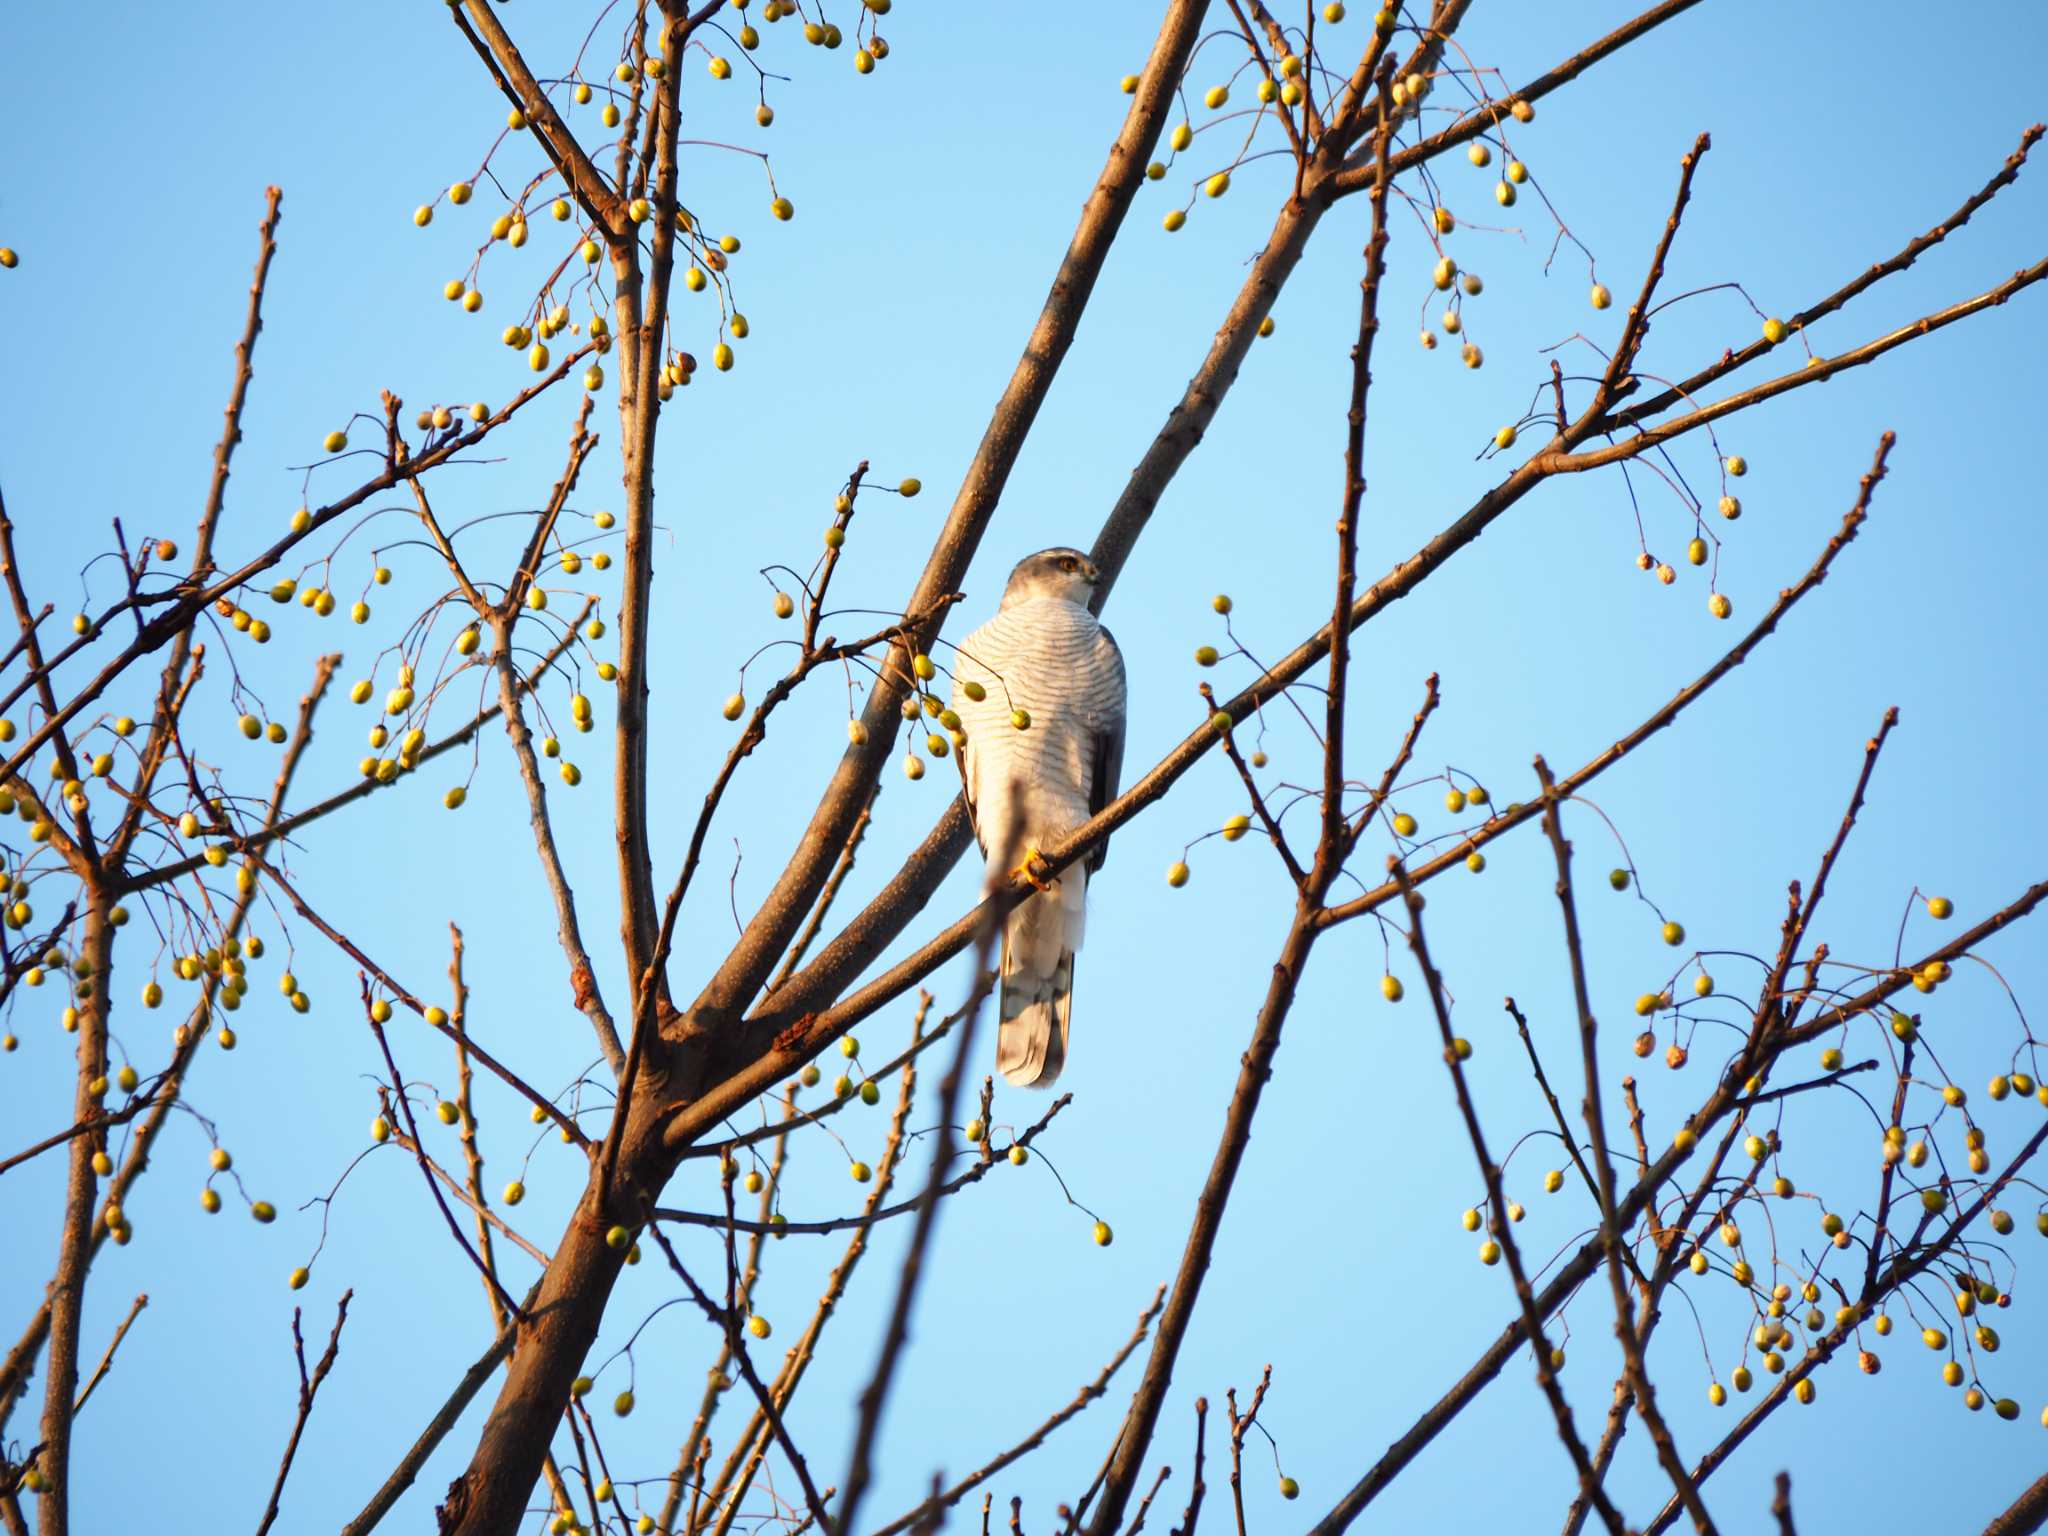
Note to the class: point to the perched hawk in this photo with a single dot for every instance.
(1045, 662)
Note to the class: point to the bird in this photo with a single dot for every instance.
(1039, 691)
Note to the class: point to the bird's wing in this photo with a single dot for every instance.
(1109, 746)
(970, 760)
(970, 755)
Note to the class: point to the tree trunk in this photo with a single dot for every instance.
(559, 1327)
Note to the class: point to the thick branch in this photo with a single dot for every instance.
(768, 934)
(1135, 1437)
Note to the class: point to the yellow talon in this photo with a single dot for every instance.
(1028, 869)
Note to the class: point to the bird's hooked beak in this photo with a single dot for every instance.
(1091, 573)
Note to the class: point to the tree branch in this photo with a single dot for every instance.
(107, 1360)
(1498, 1225)
(308, 1388)
(767, 936)
(896, 1334)
(938, 1503)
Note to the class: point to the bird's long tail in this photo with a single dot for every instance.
(1039, 940)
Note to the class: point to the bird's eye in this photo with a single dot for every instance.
(1067, 563)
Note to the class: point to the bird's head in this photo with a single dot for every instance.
(1062, 573)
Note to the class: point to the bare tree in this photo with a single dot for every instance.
(138, 838)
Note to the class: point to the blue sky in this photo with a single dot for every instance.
(933, 200)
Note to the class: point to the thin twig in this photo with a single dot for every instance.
(309, 1387)
(1138, 1522)
(1506, 820)
(897, 1332)
(728, 1319)
(430, 1438)
(939, 1502)
(1240, 1426)
(1611, 1238)
(867, 1218)
(696, 1449)
(412, 1126)
(1194, 1509)
(107, 1360)
(1730, 361)
(1781, 1504)
(254, 842)
(1498, 1225)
